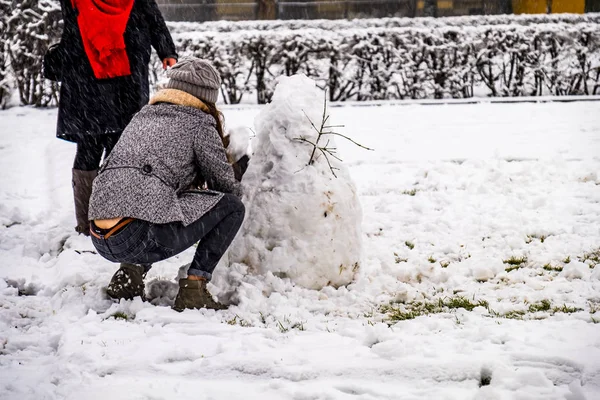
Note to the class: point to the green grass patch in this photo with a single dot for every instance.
(550, 267)
(514, 314)
(567, 260)
(120, 315)
(442, 305)
(404, 312)
(515, 260)
(396, 315)
(512, 268)
(411, 192)
(431, 260)
(409, 244)
(543, 305)
(463, 302)
(531, 238)
(514, 263)
(236, 320)
(592, 258)
(566, 309)
(399, 259)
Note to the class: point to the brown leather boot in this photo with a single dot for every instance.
(82, 190)
(193, 294)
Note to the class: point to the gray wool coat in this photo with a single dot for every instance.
(148, 174)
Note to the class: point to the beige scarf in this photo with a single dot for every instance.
(178, 97)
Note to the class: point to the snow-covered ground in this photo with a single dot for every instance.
(448, 195)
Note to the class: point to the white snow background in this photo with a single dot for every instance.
(450, 192)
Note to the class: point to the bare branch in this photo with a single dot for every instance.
(325, 130)
(347, 138)
(324, 150)
(313, 125)
(301, 139)
(331, 167)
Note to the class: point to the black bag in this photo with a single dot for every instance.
(52, 66)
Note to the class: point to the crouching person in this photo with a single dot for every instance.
(168, 185)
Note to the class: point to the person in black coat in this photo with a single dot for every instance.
(104, 54)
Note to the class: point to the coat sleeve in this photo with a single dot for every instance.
(160, 37)
(212, 162)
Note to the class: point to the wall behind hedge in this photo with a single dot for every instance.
(339, 24)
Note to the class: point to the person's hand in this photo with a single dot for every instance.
(169, 62)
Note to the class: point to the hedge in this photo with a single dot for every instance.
(371, 59)
(407, 63)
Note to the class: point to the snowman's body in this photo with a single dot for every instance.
(302, 222)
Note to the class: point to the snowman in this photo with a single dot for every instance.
(303, 215)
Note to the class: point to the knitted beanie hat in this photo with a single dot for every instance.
(196, 77)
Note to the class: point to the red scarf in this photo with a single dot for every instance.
(102, 24)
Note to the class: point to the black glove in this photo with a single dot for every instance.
(240, 167)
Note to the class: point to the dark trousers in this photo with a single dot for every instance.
(144, 243)
(90, 149)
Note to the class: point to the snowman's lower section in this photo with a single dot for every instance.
(311, 238)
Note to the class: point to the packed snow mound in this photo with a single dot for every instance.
(302, 222)
(239, 143)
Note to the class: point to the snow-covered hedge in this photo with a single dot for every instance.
(28, 27)
(334, 25)
(407, 63)
(371, 59)
(4, 69)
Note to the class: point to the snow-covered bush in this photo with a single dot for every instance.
(230, 58)
(5, 88)
(302, 221)
(31, 26)
(400, 63)
(531, 62)
(370, 59)
(261, 51)
(583, 73)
